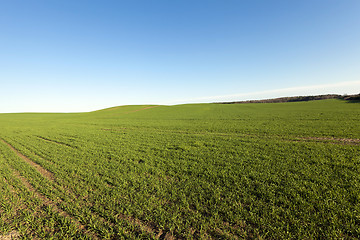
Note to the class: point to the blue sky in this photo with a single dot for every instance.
(64, 56)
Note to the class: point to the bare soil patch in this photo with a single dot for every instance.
(10, 236)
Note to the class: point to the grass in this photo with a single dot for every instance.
(196, 171)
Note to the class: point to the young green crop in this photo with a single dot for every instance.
(221, 171)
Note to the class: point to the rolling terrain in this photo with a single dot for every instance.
(195, 171)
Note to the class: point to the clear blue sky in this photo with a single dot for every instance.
(74, 55)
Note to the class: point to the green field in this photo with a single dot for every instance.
(196, 171)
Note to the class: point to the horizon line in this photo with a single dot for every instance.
(258, 99)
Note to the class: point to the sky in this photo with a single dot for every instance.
(84, 55)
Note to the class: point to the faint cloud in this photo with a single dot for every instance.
(352, 87)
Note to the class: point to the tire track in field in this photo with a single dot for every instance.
(329, 140)
(48, 202)
(131, 221)
(333, 140)
(54, 141)
(157, 234)
(146, 228)
(140, 109)
(47, 174)
(44, 172)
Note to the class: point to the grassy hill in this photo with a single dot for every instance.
(195, 171)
